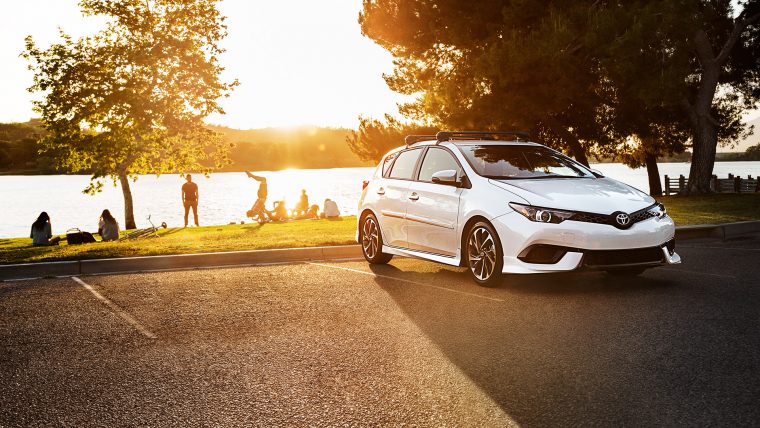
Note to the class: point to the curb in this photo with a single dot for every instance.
(253, 257)
(172, 262)
(722, 231)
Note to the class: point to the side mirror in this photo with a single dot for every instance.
(447, 177)
(597, 173)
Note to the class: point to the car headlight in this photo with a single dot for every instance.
(658, 210)
(541, 215)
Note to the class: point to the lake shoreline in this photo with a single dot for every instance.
(226, 196)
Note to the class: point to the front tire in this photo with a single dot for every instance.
(372, 241)
(485, 259)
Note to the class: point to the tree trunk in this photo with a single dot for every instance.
(129, 216)
(655, 186)
(705, 137)
(578, 151)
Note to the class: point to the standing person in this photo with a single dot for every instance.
(42, 231)
(303, 204)
(190, 198)
(108, 227)
(259, 211)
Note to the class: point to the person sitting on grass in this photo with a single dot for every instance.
(42, 234)
(108, 227)
(280, 213)
(312, 213)
(330, 209)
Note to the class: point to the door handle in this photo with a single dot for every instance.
(414, 196)
(381, 191)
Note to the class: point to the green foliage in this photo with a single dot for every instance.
(131, 98)
(498, 65)
(605, 78)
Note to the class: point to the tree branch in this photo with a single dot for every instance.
(704, 49)
(739, 25)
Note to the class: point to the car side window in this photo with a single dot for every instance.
(403, 168)
(437, 160)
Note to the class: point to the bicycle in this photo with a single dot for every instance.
(148, 232)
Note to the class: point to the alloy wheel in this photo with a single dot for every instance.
(481, 251)
(370, 238)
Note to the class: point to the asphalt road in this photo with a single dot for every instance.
(411, 343)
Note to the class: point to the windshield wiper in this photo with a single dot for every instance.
(535, 177)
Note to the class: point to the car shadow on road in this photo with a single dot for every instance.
(560, 283)
(564, 350)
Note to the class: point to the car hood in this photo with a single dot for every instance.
(596, 195)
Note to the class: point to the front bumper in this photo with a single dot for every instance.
(573, 245)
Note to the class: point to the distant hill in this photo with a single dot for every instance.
(281, 148)
(753, 140)
(268, 149)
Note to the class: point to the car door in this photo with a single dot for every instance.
(393, 197)
(433, 208)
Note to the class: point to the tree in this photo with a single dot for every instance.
(497, 65)
(131, 99)
(728, 57)
(660, 58)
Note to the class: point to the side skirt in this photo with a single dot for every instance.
(405, 252)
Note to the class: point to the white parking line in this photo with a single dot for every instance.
(116, 309)
(720, 248)
(407, 281)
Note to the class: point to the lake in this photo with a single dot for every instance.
(224, 197)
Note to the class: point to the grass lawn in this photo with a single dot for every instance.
(721, 208)
(712, 209)
(302, 233)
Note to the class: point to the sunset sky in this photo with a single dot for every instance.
(298, 61)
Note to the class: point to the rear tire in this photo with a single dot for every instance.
(485, 258)
(626, 273)
(371, 240)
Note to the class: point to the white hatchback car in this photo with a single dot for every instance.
(495, 203)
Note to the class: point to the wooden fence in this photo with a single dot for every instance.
(721, 185)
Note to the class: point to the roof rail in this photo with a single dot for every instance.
(411, 139)
(484, 135)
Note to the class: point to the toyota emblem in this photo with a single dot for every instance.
(623, 219)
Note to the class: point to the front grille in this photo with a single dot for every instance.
(591, 218)
(599, 258)
(609, 219)
(642, 215)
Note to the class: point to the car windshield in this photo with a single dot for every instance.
(505, 161)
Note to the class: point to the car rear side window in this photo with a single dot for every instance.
(388, 162)
(403, 168)
(437, 160)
